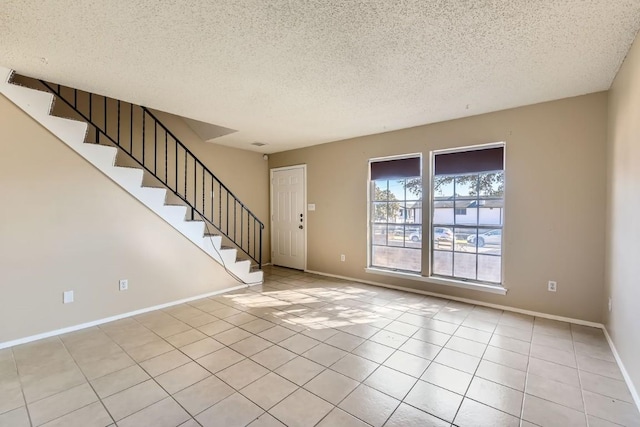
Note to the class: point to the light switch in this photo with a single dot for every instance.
(311, 207)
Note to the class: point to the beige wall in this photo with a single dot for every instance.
(66, 226)
(623, 215)
(555, 197)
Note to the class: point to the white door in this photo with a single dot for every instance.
(288, 217)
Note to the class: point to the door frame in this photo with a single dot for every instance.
(304, 206)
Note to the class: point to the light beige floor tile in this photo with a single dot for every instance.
(344, 341)
(299, 370)
(369, 405)
(203, 395)
(457, 360)
(182, 377)
(324, 354)
(598, 422)
(15, 418)
(354, 367)
(242, 373)
(131, 400)
(234, 411)
(402, 328)
(602, 351)
(513, 332)
(408, 416)
(440, 326)
(507, 358)
(299, 343)
(605, 386)
(610, 409)
(331, 386)
(301, 409)
(550, 354)
(232, 336)
(473, 334)
(466, 346)
(421, 348)
(51, 380)
(200, 320)
(373, 351)
(360, 330)
(554, 342)
(434, 400)
(149, 350)
(164, 363)
(501, 374)
(240, 319)
(98, 367)
(474, 414)
(599, 366)
(276, 334)
(432, 337)
(391, 382)
(320, 333)
(215, 327)
(266, 420)
(10, 394)
(448, 378)
(187, 337)
(496, 395)
(480, 324)
(268, 390)
(517, 320)
(225, 312)
(61, 404)
(165, 413)
(338, 417)
(555, 391)
(118, 381)
(273, 357)
(201, 348)
(510, 344)
(219, 360)
(258, 325)
(92, 415)
(390, 339)
(252, 345)
(545, 413)
(407, 363)
(554, 371)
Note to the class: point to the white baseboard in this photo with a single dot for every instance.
(625, 374)
(467, 300)
(112, 318)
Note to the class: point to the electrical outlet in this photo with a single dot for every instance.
(553, 286)
(610, 302)
(67, 297)
(343, 258)
(124, 284)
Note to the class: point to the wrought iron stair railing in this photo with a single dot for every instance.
(139, 133)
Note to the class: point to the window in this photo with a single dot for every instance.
(467, 197)
(395, 212)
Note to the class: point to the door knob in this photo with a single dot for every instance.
(300, 227)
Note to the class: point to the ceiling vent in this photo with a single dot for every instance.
(258, 144)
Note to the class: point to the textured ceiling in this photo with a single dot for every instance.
(297, 73)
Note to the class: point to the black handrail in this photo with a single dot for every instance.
(190, 178)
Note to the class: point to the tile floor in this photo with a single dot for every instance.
(304, 350)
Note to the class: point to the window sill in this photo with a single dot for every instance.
(438, 281)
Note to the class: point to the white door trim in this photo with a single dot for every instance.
(304, 201)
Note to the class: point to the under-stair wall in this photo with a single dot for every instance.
(244, 172)
(66, 226)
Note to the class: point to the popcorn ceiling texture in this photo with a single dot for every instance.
(303, 72)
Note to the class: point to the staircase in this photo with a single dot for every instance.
(134, 149)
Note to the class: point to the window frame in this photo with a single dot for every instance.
(429, 190)
(370, 242)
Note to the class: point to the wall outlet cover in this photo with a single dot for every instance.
(67, 297)
(124, 284)
(553, 286)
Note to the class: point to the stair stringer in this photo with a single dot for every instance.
(38, 104)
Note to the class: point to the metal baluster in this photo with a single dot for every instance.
(131, 129)
(166, 159)
(105, 114)
(144, 144)
(118, 122)
(155, 148)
